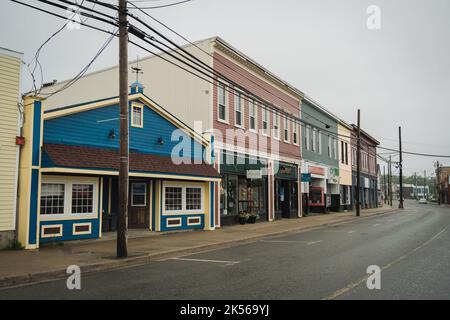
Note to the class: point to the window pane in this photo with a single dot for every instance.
(193, 198)
(52, 198)
(138, 194)
(173, 198)
(82, 198)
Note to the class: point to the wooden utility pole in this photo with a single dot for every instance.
(358, 167)
(122, 219)
(438, 183)
(425, 194)
(390, 180)
(384, 183)
(400, 165)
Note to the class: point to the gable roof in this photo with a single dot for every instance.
(137, 97)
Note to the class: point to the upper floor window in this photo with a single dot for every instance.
(319, 142)
(137, 115)
(342, 152)
(295, 132)
(329, 146)
(314, 140)
(222, 102)
(346, 153)
(238, 109)
(276, 125)
(307, 137)
(286, 130)
(265, 121)
(252, 115)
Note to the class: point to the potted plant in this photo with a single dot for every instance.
(243, 216)
(252, 218)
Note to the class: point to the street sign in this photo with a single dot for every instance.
(306, 177)
(254, 174)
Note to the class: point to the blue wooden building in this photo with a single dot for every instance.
(68, 181)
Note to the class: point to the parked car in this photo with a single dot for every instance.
(423, 201)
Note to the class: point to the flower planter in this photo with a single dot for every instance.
(251, 219)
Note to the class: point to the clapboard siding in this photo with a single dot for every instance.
(89, 128)
(9, 116)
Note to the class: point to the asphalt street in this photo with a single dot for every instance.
(411, 247)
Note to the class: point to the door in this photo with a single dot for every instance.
(285, 199)
(139, 204)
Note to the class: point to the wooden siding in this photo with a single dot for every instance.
(9, 117)
(92, 128)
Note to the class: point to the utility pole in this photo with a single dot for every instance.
(424, 184)
(415, 185)
(122, 219)
(438, 185)
(358, 166)
(400, 164)
(384, 183)
(390, 180)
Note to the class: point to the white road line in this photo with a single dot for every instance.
(206, 260)
(376, 224)
(292, 241)
(334, 231)
(357, 283)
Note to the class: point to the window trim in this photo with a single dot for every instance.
(295, 131)
(251, 103)
(226, 105)
(266, 116)
(286, 127)
(238, 94)
(132, 194)
(276, 121)
(183, 187)
(140, 106)
(68, 182)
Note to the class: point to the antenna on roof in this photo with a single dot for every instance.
(137, 70)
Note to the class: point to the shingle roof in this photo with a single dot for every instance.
(108, 159)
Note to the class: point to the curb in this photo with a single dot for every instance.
(47, 276)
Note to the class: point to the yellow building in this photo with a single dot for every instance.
(10, 62)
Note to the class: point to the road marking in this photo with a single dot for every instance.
(334, 231)
(376, 224)
(292, 241)
(206, 260)
(357, 283)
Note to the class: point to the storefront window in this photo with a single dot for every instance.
(293, 198)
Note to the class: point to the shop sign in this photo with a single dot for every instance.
(306, 177)
(254, 174)
(366, 183)
(316, 170)
(333, 176)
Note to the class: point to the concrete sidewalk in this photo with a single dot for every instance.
(49, 263)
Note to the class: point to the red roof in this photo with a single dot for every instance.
(100, 158)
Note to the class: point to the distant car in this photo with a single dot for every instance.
(423, 201)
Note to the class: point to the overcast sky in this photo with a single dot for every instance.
(398, 75)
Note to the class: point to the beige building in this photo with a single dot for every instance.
(345, 164)
(10, 63)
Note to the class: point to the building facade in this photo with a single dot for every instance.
(444, 182)
(320, 155)
(69, 171)
(256, 139)
(369, 173)
(345, 165)
(10, 66)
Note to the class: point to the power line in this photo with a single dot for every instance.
(162, 6)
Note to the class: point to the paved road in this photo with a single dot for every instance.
(412, 248)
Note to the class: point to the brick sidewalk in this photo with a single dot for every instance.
(25, 266)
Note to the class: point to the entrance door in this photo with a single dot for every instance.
(285, 199)
(139, 204)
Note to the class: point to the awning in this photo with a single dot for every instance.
(93, 158)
